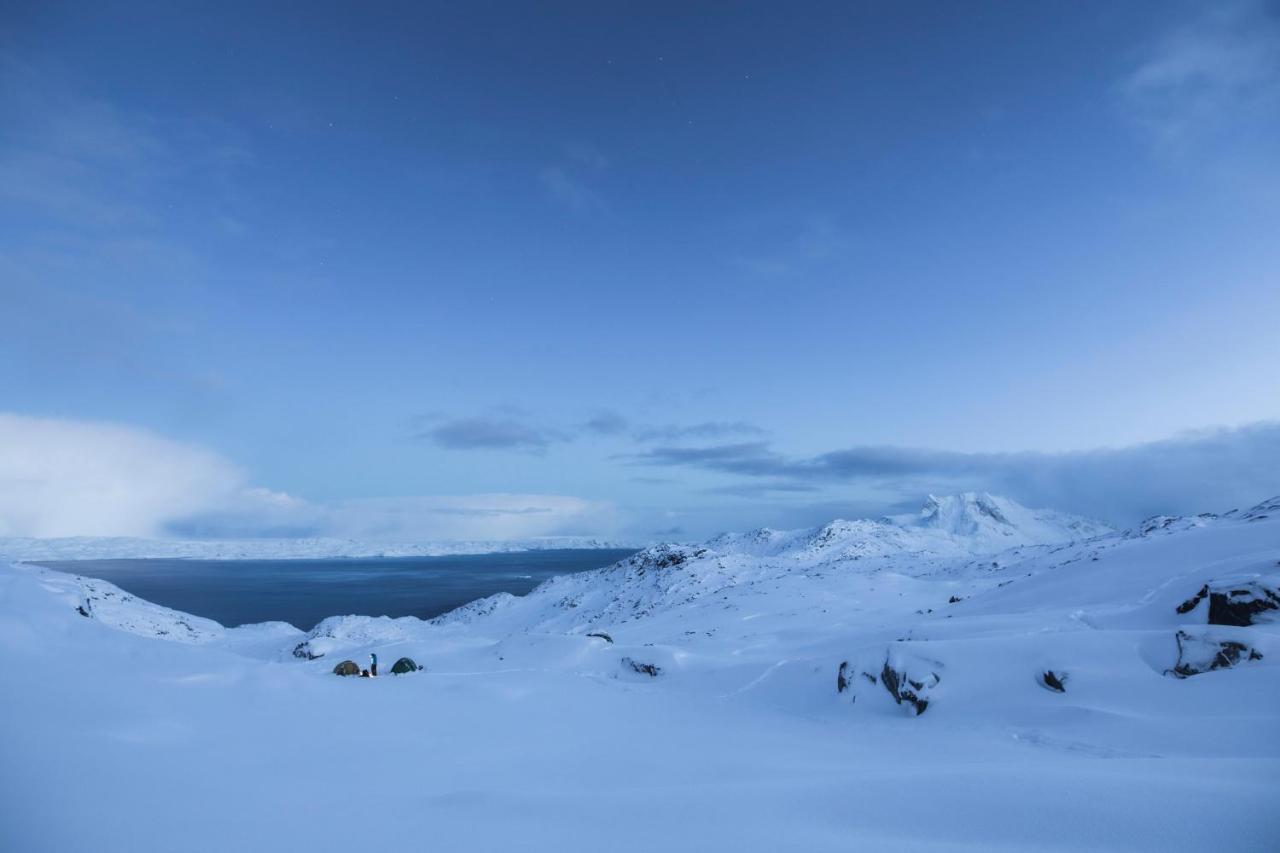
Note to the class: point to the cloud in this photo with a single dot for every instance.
(1208, 470)
(818, 242)
(606, 423)
(510, 428)
(70, 478)
(492, 433)
(706, 429)
(1207, 75)
(570, 190)
(89, 166)
(612, 423)
(87, 478)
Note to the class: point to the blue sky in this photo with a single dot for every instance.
(636, 269)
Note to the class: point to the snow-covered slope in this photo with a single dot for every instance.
(898, 684)
(123, 548)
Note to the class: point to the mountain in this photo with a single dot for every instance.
(899, 683)
(957, 525)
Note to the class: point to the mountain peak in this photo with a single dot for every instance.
(981, 515)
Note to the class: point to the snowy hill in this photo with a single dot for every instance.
(906, 683)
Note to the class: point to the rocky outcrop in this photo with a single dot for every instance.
(601, 635)
(1205, 652)
(909, 685)
(1239, 603)
(304, 651)
(649, 669)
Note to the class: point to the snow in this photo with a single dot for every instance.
(127, 732)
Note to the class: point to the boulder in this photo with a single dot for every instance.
(909, 685)
(1240, 603)
(649, 669)
(404, 665)
(1055, 681)
(1205, 652)
(347, 667)
(907, 677)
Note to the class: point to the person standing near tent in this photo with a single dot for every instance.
(373, 663)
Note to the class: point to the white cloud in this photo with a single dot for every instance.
(70, 478)
(85, 478)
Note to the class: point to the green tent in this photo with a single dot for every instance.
(347, 667)
(404, 665)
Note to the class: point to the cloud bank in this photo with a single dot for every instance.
(73, 478)
(1212, 470)
(85, 478)
(70, 478)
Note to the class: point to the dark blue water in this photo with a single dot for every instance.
(302, 592)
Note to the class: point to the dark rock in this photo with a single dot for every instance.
(603, 636)
(80, 609)
(649, 669)
(1202, 653)
(1055, 681)
(1244, 604)
(1194, 601)
(1239, 603)
(303, 650)
(905, 689)
(403, 666)
(955, 599)
(842, 683)
(347, 667)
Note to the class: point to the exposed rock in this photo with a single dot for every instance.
(906, 686)
(1240, 603)
(601, 635)
(404, 665)
(842, 683)
(649, 669)
(1055, 681)
(80, 609)
(1244, 604)
(347, 667)
(1194, 601)
(1204, 653)
(303, 650)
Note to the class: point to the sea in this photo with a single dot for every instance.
(304, 591)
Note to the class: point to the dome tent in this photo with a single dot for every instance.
(404, 665)
(347, 667)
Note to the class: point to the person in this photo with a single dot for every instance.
(373, 663)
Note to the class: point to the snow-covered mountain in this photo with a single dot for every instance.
(975, 676)
(956, 525)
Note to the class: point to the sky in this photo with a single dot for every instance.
(639, 270)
